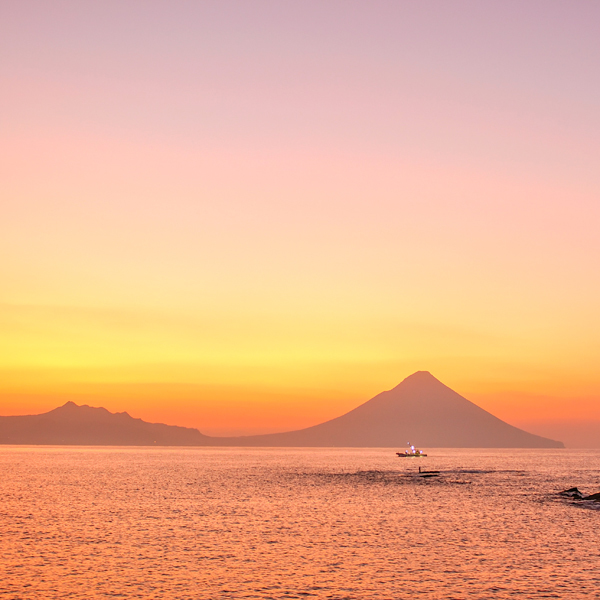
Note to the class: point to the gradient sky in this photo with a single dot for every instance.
(252, 216)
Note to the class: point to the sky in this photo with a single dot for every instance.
(253, 216)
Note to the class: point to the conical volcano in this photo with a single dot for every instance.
(420, 410)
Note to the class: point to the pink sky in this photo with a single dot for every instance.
(286, 202)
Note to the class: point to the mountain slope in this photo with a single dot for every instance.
(420, 410)
(71, 424)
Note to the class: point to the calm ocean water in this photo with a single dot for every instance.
(296, 523)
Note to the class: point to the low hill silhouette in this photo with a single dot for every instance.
(71, 424)
(421, 410)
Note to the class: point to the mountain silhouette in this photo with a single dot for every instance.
(71, 424)
(420, 410)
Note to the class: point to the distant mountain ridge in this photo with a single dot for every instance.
(420, 409)
(71, 424)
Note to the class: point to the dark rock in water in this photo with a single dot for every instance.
(423, 471)
(595, 497)
(572, 493)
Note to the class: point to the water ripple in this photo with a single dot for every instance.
(88, 523)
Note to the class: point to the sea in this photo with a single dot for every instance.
(241, 523)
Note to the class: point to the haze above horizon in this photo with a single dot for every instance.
(252, 217)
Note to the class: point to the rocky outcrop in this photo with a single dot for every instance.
(573, 493)
(576, 494)
(595, 497)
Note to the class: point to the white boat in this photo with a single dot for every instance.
(411, 452)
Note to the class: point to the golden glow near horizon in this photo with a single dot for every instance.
(229, 232)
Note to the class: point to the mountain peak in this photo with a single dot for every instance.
(420, 375)
(74, 424)
(421, 409)
(419, 379)
(69, 406)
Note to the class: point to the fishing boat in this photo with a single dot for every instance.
(411, 452)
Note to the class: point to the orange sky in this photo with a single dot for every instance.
(250, 217)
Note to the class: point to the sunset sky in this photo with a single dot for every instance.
(253, 216)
